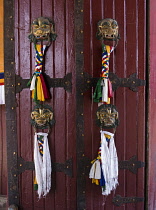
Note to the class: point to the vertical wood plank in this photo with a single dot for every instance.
(24, 101)
(151, 109)
(120, 94)
(11, 134)
(142, 103)
(36, 11)
(131, 97)
(70, 105)
(59, 104)
(48, 11)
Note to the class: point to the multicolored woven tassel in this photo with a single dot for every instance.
(104, 170)
(37, 83)
(40, 141)
(95, 170)
(103, 91)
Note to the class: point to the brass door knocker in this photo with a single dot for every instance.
(107, 116)
(42, 117)
(42, 29)
(108, 29)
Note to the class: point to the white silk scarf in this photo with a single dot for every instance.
(109, 161)
(42, 165)
(2, 95)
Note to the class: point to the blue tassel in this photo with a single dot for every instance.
(102, 180)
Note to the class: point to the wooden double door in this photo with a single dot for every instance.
(73, 62)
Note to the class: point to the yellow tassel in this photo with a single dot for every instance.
(38, 47)
(35, 184)
(108, 49)
(108, 102)
(32, 93)
(93, 161)
(1, 80)
(95, 181)
(35, 181)
(40, 95)
(107, 136)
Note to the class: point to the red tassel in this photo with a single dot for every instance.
(110, 91)
(45, 89)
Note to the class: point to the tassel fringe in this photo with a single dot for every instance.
(104, 170)
(42, 162)
(103, 91)
(37, 83)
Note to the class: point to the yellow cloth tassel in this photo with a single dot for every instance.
(35, 184)
(93, 161)
(108, 49)
(35, 181)
(107, 136)
(95, 181)
(40, 95)
(1, 80)
(32, 93)
(38, 47)
(108, 102)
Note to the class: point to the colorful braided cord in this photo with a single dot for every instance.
(40, 140)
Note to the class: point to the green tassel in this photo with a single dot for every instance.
(103, 188)
(29, 82)
(103, 47)
(35, 91)
(35, 184)
(35, 187)
(98, 91)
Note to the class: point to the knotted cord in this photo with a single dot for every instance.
(103, 91)
(37, 83)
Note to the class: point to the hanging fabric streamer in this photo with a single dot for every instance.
(104, 170)
(2, 94)
(37, 83)
(42, 34)
(103, 91)
(42, 117)
(42, 161)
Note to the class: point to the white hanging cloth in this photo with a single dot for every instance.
(42, 161)
(2, 95)
(104, 84)
(95, 171)
(109, 161)
(32, 86)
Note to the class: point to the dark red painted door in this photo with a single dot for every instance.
(59, 61)
(129, 57)
(75, 135)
